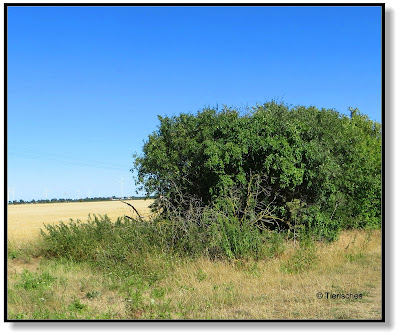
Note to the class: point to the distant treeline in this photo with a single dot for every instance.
(33, 201)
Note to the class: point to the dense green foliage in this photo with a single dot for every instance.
(318, 169)
(126, 244)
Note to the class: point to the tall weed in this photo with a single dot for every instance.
(304, 257)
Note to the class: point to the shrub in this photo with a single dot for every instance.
(327, 161)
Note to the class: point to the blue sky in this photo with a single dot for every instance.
(85, 84)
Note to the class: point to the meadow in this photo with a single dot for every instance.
(320, 281)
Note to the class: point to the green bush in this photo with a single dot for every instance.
(327, 161)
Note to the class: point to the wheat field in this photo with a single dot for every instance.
(25, 221)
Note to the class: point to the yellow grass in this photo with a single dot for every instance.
(205, 289)
(263, 291)
(25, 221)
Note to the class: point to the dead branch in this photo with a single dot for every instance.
(140, 218)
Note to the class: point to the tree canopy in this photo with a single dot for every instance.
(319, 167)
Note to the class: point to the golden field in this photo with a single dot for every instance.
(25, 221)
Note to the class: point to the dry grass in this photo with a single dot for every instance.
(224, 290)
(73, 283)
(204, 289)
(25, 221)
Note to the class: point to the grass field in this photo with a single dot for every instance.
(163, 287)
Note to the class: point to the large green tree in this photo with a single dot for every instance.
(326, 163)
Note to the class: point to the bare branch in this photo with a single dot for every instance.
(140, 218)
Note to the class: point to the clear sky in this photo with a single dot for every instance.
(85, 84)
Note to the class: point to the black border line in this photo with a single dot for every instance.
(383, 221)
(194, 4)
(284, 321)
